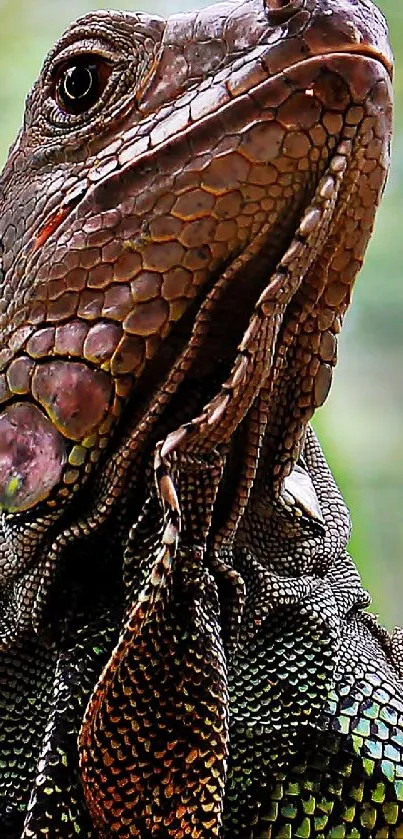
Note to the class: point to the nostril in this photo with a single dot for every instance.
(278, 11)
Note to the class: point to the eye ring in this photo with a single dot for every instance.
(80, 82)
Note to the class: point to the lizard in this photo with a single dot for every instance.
(185, 650)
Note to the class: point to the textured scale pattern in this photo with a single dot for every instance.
(185, 650)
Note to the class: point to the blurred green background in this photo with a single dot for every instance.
(361, 424)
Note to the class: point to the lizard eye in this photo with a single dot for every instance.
(80, 83)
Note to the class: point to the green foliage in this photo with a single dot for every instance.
(361, 426)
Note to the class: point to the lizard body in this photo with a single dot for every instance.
(184, 647)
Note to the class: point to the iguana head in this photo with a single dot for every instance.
(182, 219)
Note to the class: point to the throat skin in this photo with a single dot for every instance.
(182, 220)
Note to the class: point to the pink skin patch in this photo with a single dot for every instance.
(32, 454)
(75, 397)
(33, 445)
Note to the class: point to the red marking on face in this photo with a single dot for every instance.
(51, 225)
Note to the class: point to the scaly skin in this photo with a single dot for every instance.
(184, 648)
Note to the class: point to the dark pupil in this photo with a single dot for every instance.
(79, 82)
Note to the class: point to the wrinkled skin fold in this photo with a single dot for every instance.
(184, 646)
